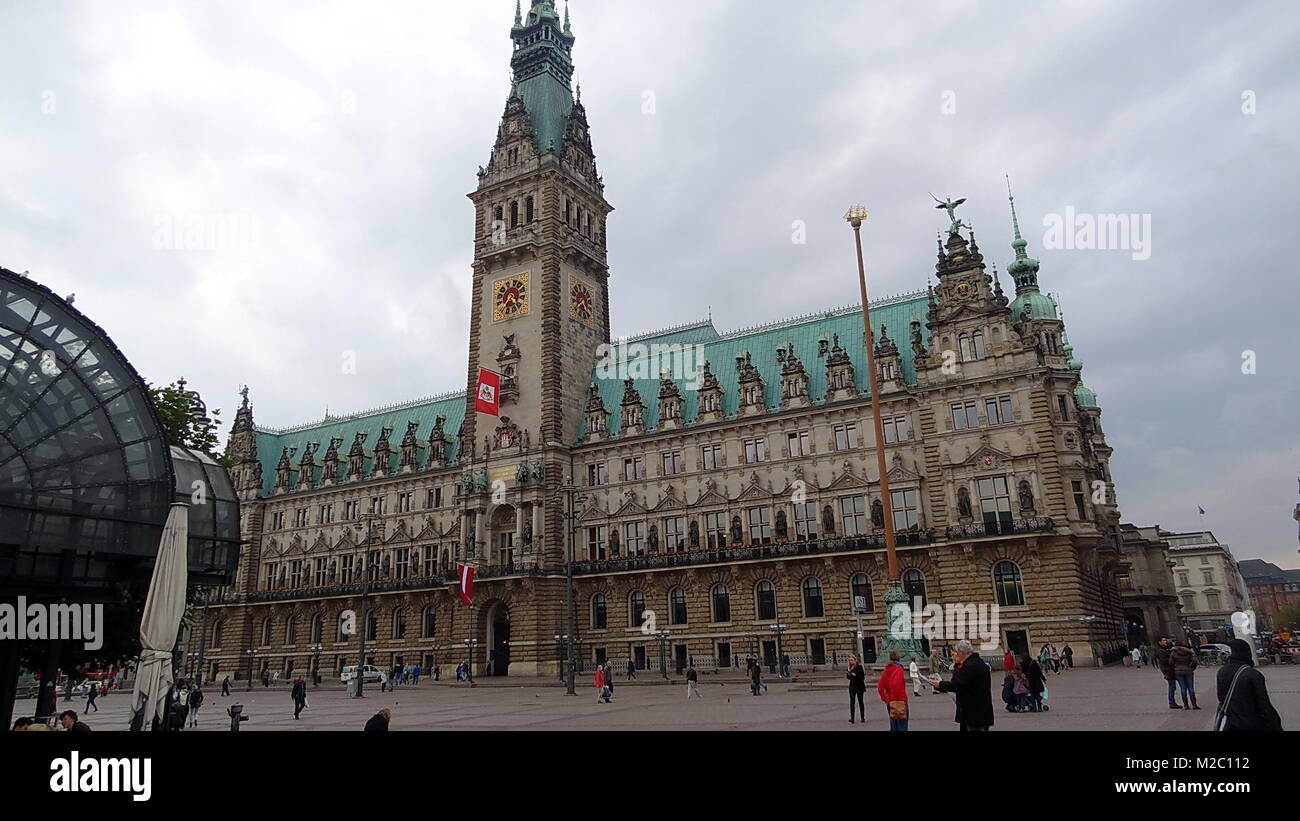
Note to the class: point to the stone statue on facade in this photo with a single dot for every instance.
(963, 504)
(955, 225)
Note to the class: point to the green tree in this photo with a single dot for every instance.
(184, 417)
(1288, 618)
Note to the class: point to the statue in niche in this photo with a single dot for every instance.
(737, 533)
(963, 504)
(877, 514)
(1026, 497)
(528, 532)
(693, 534)
(828, 521)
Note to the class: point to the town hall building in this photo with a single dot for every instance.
(727, 509)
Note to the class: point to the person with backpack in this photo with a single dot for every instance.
(1244, 705)
(195, 700)
(892, 689)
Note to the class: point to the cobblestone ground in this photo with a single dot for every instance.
(1083, 699)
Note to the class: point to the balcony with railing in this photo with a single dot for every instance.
(1000, 527)
(389, 584)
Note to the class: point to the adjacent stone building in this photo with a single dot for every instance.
(723, 487)
(1210, 586)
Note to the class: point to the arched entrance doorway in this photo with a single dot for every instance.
(497, 622)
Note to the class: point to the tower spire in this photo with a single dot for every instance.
(1024, 270)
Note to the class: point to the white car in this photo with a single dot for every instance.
(1215, 650)
(370, 674)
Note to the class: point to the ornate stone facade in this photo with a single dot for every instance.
(726, 496)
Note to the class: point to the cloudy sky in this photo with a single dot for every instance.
(335, 143)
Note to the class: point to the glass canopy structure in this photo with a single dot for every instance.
(86, 474)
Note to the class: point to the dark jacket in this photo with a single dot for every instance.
(299, 692)
(1162, 661)
(1250, 709)
(79, 728)
(1182, 660)
(378, 723)
(196, 698)
(691, 675)
(970, 683)
(1033, 675)
(857, 679)
(755, 673)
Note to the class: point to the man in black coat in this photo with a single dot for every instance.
(1034, 680)
(299, 694)
(379, 722)
(1249, 709)
(970, 684)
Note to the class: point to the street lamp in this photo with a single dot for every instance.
(560, 642)
(777, 630)
(315, 665)
(435, 649)
(250, 654)
(369, 519)
(471, 644)
(662, 636)
(573, 496)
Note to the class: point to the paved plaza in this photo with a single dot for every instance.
(1083, 699)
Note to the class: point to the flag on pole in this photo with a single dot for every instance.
(487, 397)
(466, 574)
(1200, 510)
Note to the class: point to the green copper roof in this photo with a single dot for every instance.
(1040, 305)
(1084, 396)
(543, 68)
(721, 351)
(271, 443)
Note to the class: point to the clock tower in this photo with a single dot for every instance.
(539, 304)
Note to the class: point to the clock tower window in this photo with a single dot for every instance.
(514, 214)
(528, 210)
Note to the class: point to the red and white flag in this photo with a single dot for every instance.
(487, 397)
(466, 574)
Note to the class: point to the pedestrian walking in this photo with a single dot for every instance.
(857, 686)
(1244, 705)
(692, 682)
(785, 665)
(970, 687)
(378, 723)
(756, 685)
(225, 686)
(1035, 682)
(1055, 656)
(602, 694)
(915, 673)
(892, 689)
(1067, 657)
(299, 695)
(609, 678)
(631, 670)
(92, 693)
(1136, 655)
(383, 681)
(1182, 660)
(195, 700)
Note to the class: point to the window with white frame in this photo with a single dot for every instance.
(634, 538)
(854, 513)
(633, 468)
(896, 429)
(715, 529)
(710, 457)
(675, 533)
(998, 410)
(759, 530)
(805, 520)
(798, 443)
(596, 474)
(755, 451)
(846, 436)
(906, 507)
(596, 540)
(672, 463)
(964, 416)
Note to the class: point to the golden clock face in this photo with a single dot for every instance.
(963, 289)
(581, 302)
(510, 297)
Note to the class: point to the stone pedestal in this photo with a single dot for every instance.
(899, 634)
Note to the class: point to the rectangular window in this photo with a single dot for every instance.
(295, 573)
(596, 474)
(277, 520)
(672, 463)
(634, 538)
(403, 564)
(430, 553)
(846, 437)
(300, 517)
(896, 429)
(1063, 404)
(905, 505)
(964, 416)
(755, 451)
(711, 457)
(715, 528)
(1211, 601)
(798, 443)
(995, 504)
(1079, 506)
(350, 510)
(404, 501)
(433, 497)
(320, 572)
(853, 512)
(805, 520)
(633, 468)
(1182, 578)
(1205, 560)
(596, 540)
(326, 514)
(998, 410)
(1124, 581)
(759, 531)
(1208, 576)
(271, 569)
(345, 568)
(378, 504)
(675, 533)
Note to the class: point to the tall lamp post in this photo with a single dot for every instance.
(250, 654)
(908, 646)
(315, 664)
(470, 644)
(366, 569)
(777, 630)
(572, 496)
(662, 636)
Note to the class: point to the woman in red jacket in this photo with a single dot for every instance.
(602, 694)
(892, 688)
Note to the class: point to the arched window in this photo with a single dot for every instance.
(291, 630)
(812, 598)
(528, 210)
(720, 602)
(1007, 584)
(216, 632)
(860, 587)
(965, 347)
(317, 628)
(428, 622)
(339, 634)
(977, 344)
(266, 631)
(677, 606)
(636, 609)
(399, 623)
(598, 616)
(914, 586)
(765, 601)
(514, 214)
(372, 625)
(498, 216)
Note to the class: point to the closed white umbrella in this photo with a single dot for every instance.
(163, 610)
